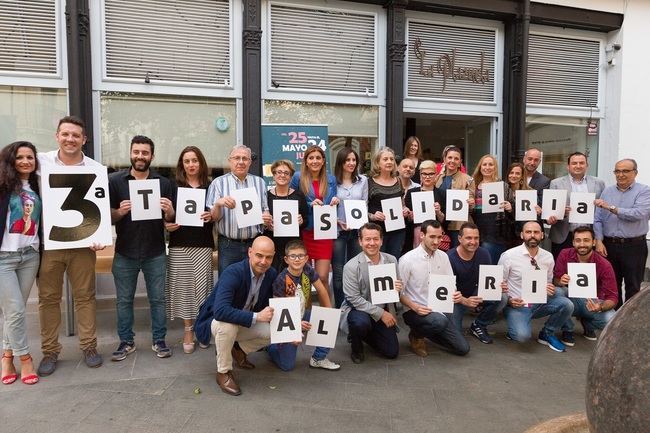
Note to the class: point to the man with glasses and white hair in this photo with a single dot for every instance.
(234, 241)
(621, 226)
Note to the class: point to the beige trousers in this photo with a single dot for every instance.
(249, 339)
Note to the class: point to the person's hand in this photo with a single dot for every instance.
(504, 286)
(458, 298)
(471, 202)
(343, 226)
(206, 216)
(267, 219)
(166, 205)
(564, 279)
(421, 310)
(265, 315)
(516, 302)
(305, 326)
(567, 211)
(550, 289)
(125, 207)
(96, 246)
(378, 216)
(226, 201)
(436, 207)
(551, 220)
(595, 306)
(399, 286)
(388, 319)
(601, 203)
(600, 248)
(171, 227)
(300, 220)
(473, 301)
(507, 206)
(538, 210)
(406, 212)
(317, 202)
(335, 201)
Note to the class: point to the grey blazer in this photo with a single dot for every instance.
(356, 288)
(560, 229)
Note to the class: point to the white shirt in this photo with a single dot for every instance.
(412, 268)
(517, 260)
(52, 158)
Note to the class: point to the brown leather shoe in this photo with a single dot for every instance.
(418, 345)
(226, 382)
(240, 358)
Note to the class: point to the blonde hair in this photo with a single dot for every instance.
(375, 170)
(427, 164)
(478, 176)
(281, 162)
(305, 176)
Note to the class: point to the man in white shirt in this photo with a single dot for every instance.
(424, 322)
(517, 261)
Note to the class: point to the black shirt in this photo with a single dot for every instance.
(137, 239)
(191, 236)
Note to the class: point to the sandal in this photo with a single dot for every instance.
(9, 378)
(30, 379)
(189, 347)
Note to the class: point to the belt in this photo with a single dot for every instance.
(239, 241)
(615, 240)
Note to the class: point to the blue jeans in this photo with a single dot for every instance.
(375, 334)
(393, 242)
(125, 274)
(17, 272)
(557, 307)
(495, 249)
(487, 316)
(231, 251)
(438, 328)
(284, 354)
(591, 320)
(346, 246)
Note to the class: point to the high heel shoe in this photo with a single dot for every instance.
(30, 379)
(189, 347)
(10, 378)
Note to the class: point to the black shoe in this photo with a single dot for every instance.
(92, 358)
(589, 333)
(357, 357)
(48, 364)
(567, 338)
(480, 333)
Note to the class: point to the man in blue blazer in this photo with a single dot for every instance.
(241, 312)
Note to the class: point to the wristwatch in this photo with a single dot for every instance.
(612, 208)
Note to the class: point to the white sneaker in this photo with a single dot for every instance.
(324, 363)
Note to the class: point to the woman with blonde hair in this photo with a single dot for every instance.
(428, 178)
(319, 188)
(383, 184)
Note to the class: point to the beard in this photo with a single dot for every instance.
(136, 168)
(532, 243)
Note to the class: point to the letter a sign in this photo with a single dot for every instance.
(285, 323)
(382, 284)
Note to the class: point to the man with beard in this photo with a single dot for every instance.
(140, 246)
(593, 313)
(535, 179)
(524, 258)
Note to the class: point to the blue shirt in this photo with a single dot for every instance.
(632, 215)
(311, 196)
(467, 271)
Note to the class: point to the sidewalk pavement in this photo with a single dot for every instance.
(502, 387)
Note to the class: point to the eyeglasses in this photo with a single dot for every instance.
(296, 256)
(534, 263)
(427, 174)
(239, 158)
(282, 173)
(617, 172)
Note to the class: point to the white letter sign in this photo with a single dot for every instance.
(76, 208)
(356, 213)
(285, 323)
(493, 197)
(145, 199)
(457, 207)
(392, 210)
(285, 219)
(248, 208)
(441, 293)
(382, 283)
(190, 204)
(582, 282)
(582, 207)
(533, 286)
(525, 202)
(489, 282)
(553, 203)
(324, 327)
(423, 206)
(325, 222)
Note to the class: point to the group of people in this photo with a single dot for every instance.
(254, 265)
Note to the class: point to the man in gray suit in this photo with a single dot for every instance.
(373, 324)
(535, 179)
(576, 181)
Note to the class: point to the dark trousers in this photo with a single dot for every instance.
(628, 261)
(438, 328)
(375, 334)
(556, 248)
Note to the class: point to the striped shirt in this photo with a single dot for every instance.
(224, 186)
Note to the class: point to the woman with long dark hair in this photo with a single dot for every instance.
(189, 278)
(413, 152)
(20, 216)
(350, 186)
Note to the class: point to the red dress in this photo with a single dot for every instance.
(317, 249)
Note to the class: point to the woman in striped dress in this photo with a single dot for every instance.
(189, 278)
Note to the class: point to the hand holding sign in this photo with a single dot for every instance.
(392, 210)
(489, 282)
(285, 324)
(325, 222)
(423, 206)
(248, 208)
(493, 197)
(441, 293)
(533, 286)
(383, 280)
(190, 205)
(525, 202)
(285, 218)
(554, 203)
(145, 199)
(582, 280)
(457, 206)
(582, 207)
(356, 213)
(324, 327)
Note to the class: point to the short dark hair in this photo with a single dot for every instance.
(142, 139)
(568, 160)
(429, 223)
(74, 120)
(466, 225)
(370, 226)
(294, 244)
(582, 229)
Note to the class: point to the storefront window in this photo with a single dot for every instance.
(31, 114)
(172, 123)
(348, 125)
(559, 137)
